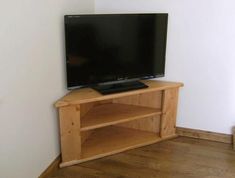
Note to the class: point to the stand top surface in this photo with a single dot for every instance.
(85, 95)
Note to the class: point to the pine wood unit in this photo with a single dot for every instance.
(94, 125)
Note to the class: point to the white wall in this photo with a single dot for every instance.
(31, 80)
(200, 53)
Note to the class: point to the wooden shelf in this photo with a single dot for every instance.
(86, 95)
(110, 114)
(114, 139)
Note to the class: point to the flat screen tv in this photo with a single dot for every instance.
(111, 52)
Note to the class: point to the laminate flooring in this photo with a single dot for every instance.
(181, 157)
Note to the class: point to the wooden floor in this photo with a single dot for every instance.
(178, 158)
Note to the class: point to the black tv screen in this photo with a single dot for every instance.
(114, 47)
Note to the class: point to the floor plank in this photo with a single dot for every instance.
(177, 158)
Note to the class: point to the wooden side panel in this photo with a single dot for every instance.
(169, 111)
(84, 108)
(85, 135)
(150, 99)
(132, 100)
(151, 124)
(70, 133)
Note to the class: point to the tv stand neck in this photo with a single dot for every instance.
(119, 87)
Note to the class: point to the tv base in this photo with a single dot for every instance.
(119, 87)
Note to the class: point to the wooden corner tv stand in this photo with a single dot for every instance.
(94, 125)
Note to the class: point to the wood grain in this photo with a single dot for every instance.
(70, 133)
(86, 95)
(169, 111)
(110, 114)
(85, 135)
(86, 116)
(85, 108)
(152, 100)
(112, 140)
(150, 124)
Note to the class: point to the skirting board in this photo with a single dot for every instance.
(234, 137)
(54, 166)
(206, 135)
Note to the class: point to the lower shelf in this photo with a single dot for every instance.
(114, 139)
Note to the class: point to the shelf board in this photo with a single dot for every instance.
(85, 95)
(110, 114)
(114, 139)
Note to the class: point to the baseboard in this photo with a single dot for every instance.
(206, 135)
(54, 166)
(234, 137)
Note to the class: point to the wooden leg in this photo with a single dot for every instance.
(70, 133)
(169, 111)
